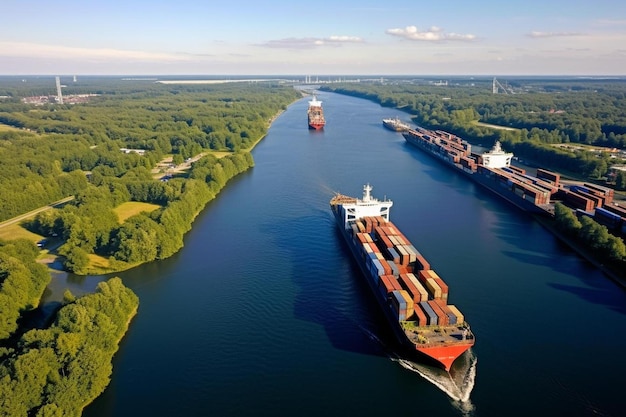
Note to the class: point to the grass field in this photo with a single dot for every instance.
(126, 210)
(15, 231)
(4, 128)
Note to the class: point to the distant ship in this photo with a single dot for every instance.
(412, 296)
(316, 114)
(395, 124)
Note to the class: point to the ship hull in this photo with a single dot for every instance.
(395, 125)
(316, 126)
(477, 177)
(440, 356)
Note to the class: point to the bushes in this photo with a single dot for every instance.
(22, 283)
(593, 235)
(59, 370)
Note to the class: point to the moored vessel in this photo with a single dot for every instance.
(315, 114)
(491, 169)
(412, 296)
(395, 124)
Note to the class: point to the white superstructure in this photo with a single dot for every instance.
(368, 206)
(315, 102)
(496, 157)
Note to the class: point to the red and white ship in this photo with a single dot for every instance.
(315, 114)
(412, 296)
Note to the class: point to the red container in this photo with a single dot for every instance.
(420, 317)
(442, 318)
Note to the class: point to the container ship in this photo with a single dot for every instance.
(315, 114)
(491, 169)
(395, 124)
(412, 296)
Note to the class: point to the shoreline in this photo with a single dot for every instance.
(53, 258)
(584, 253)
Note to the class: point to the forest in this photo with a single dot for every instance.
(537, 115)
(54, 151)
(48, 151)
(105, 153)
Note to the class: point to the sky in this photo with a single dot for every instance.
(313, 37)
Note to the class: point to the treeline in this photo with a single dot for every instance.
(89, 225)
(53, 147)
(592, 235)
(22, 283)
(543, 115)
(58, 370)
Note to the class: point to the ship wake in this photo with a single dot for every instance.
(457, 384)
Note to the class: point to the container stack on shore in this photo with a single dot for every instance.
(596, 201)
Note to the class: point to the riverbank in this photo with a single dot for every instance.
(619, 277)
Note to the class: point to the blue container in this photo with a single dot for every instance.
(608, 214)
(379, 270)
(393, 254)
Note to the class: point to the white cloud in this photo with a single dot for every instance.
(610, 22)
(309, 43)
(434, 34)
(33, 50)
(346, 39)
(538, 34)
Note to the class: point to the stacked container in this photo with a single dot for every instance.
(553, 177)
(402, 303)
(607, 193)
(403, 275)
(609, 219)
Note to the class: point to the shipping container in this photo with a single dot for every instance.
(378, 267)
(452, 319)
(430, 313)
(409, 303)
(393, 255)
(402, 307)
(404, 256)
(420, 316)
(385, 285)
(607, 192)
(616, 209)
(549, 175)
(460, 319)
(423, 294)
(574, 200)
(444, 288)
(597, 201)
(434, 290)
(442, 317)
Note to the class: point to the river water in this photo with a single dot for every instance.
(263, 312)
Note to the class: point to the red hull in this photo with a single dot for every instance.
(316, 126)
(445, 355)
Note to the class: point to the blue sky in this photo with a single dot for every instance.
(313, 37)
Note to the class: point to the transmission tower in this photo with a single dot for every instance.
(496, 87)
(59, 95)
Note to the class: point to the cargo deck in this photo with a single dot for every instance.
(413, 297)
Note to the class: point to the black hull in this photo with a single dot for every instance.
(480, 179)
